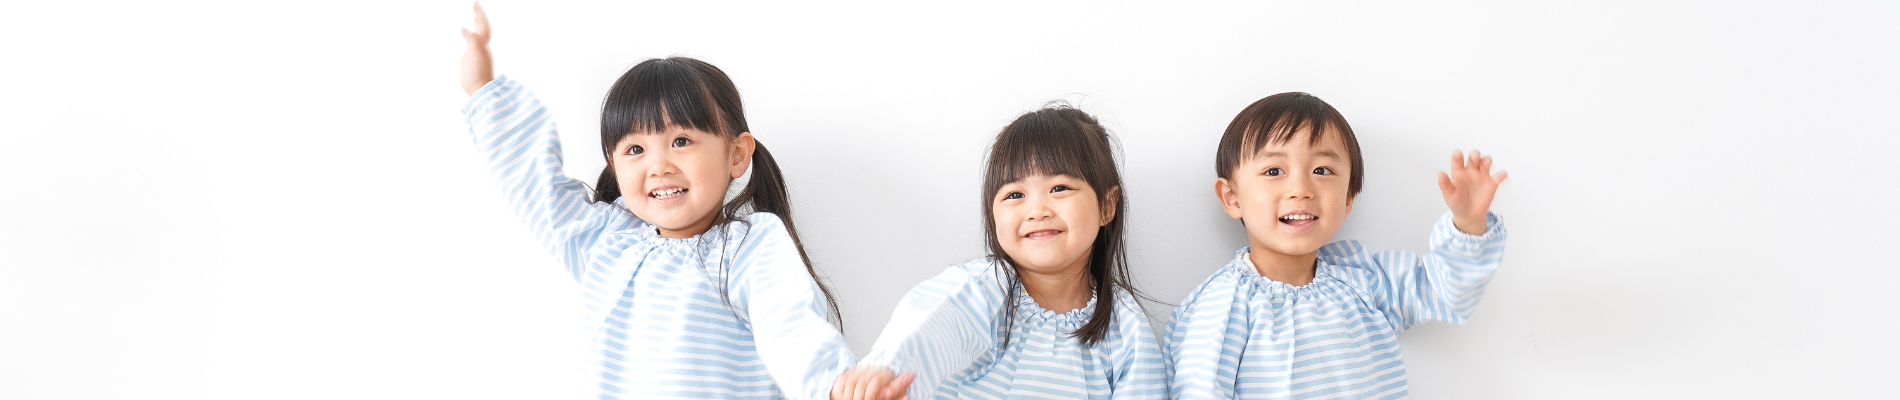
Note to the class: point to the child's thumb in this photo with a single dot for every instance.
(899, 387)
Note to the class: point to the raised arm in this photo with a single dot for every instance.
(787, 312)
(521, 150)
(1467, 246)
(477, 67)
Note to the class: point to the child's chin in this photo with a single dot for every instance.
(1294, 246)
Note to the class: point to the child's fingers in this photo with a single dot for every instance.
(481, 21)
(1457, 160)
(899, 387)
(1444, 184)
(1485, 164)
(870, 388)
(1499, 178)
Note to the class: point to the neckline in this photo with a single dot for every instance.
(1245, 269)
(1028, 307)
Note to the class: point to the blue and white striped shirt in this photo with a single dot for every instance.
(946, 330)
(730, 313)
(1241, 335)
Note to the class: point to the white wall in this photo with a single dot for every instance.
(212, 201)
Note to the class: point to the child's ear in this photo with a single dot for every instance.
(1109, 201)
(741, 156)
(1229, 200)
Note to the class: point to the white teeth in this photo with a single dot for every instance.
(1299, 216)
(667, 193)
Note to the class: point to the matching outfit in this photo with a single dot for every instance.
(1241, 335)
(731, 313)
(948, 332)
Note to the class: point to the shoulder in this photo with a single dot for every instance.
(759, 229)
(1225, 280)
(1130, 318)
(1352, 255)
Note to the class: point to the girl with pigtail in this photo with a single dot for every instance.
(687, 295)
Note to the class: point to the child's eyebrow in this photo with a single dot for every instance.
(1329, 153)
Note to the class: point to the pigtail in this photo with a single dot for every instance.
(682, 92)
(766, 192)
(606, 189)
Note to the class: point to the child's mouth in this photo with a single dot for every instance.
(1042, 234)
(1298, 219)
(667, 193)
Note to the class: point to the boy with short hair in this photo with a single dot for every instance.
(1293, 316)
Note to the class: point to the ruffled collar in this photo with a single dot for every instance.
(1029, 310)
(1242, 269)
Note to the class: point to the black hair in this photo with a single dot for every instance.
(1276, 119)
(692, 94)
(1060, 140)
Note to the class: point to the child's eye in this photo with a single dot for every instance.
(1013, 196)
(1275, 171)
(681, 142)
(635, 150)
(1060, 188)
(1323, 171)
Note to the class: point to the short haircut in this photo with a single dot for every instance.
(1275, 120)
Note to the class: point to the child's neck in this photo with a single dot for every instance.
(1291, 269)
(1062, 291)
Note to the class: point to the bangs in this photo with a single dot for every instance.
(1047, 143)
(1282, 124)
(1278, 119)
(662, 93)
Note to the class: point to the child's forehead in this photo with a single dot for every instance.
(1296, 143)
(1047, 178)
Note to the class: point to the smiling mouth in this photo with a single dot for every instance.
(1298, 219)
(1043, 234)
(667, 194)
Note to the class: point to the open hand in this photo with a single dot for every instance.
(871, 383)
(477, 67)
(1468, 189)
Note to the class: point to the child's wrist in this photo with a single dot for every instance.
(1470, 225)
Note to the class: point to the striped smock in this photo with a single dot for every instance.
(946, 331)
(731, 313)
(1241, 335)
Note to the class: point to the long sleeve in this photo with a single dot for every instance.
(519, 147)
(942, 327)
(787, 312)
(1443, 285)
(1139, 372)
(1205, 337)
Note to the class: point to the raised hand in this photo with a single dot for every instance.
(477, 67)
(871, 383)
(1468, 190)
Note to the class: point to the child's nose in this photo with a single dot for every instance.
(1039, 211)
(1300, 190)
(658, 167)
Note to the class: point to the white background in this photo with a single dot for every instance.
(221, 201)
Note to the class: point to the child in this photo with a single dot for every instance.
(686, 297)
(1294, 317)
(1049, 313)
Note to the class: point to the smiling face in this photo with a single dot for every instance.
(676, 178)
(1048, 223)
(1292, 195)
